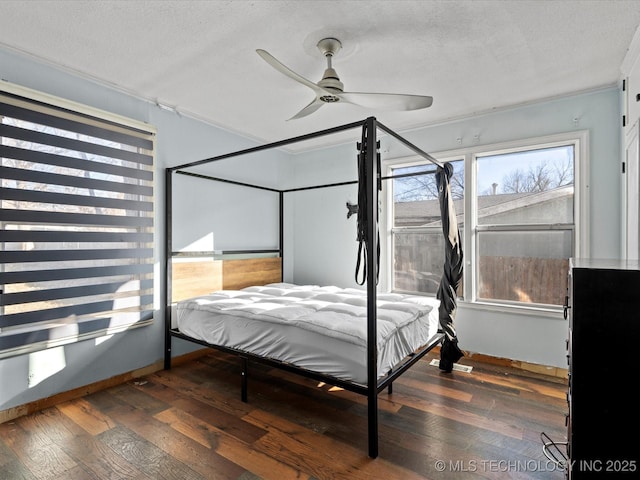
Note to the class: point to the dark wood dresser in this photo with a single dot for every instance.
(603, 309)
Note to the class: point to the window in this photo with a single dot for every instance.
(76, 224)
(416, 234)
(520, 224)
(525, 222)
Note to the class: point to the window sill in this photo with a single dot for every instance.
(535, 311)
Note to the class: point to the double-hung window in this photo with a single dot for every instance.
(518, 209)
(76, 222)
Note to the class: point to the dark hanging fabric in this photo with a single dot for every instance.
(450, 353)
(362, 219)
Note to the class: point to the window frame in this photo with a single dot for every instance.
(69, 110)
(581, 245)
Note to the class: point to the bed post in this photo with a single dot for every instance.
(372, 269)
(281, 233)
(168, 246)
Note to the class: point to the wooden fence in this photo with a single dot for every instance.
(529, 280)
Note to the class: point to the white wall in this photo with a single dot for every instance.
(322, 244)
(328, 253)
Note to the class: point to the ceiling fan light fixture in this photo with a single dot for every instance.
(329, 98)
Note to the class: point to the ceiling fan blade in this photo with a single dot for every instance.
(309, 109)
(387, 101)
(271, 60)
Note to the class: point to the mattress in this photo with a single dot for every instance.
(319, 328)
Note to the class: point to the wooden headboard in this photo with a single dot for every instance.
(193, 277)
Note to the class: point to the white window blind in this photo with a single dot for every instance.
(76, 225)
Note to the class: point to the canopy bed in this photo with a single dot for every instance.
(357, 339)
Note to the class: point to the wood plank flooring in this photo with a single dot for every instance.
(188, 423)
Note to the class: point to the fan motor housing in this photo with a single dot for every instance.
(330, 81)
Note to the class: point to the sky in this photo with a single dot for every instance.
(496, 168)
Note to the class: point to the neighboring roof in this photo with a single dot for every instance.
(424, 212)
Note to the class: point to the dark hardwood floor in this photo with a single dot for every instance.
(189, 423)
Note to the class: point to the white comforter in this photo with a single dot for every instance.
(320, 328)
(331, 311)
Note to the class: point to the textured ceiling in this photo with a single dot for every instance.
(200, 56)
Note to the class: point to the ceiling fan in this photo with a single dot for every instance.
(331, 90)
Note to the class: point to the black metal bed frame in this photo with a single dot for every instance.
(374, 385)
